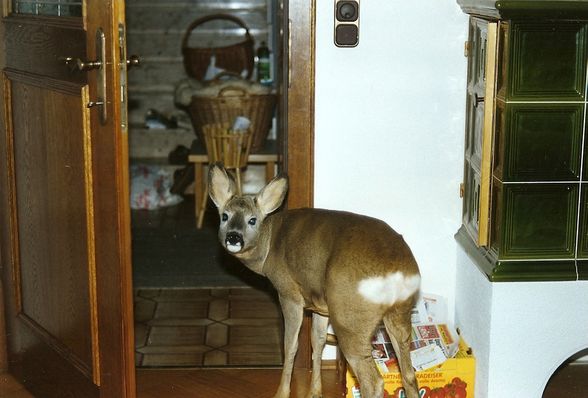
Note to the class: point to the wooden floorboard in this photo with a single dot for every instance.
(242, 383)
(570, 381)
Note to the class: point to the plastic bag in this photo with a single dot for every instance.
(150, 188)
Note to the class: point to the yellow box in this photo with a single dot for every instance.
(454, 378)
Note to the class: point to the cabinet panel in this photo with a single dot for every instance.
(476, 90)
(471, 200)
(539, 221)
(475, 129)
(539, 142)
(547, 60)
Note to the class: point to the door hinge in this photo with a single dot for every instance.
(461, 190)
(466, 48)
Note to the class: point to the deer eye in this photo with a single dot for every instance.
(252, 221)
(225, 217)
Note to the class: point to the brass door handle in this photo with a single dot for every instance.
(87, 65)
(80, 65)
(134, 60)
(98, 65)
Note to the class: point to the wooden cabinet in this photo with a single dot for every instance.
(525, 209)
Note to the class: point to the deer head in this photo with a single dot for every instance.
(242, 216)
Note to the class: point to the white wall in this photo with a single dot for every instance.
(390, 125)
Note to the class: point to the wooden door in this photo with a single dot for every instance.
(64, 207)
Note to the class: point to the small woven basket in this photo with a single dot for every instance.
(234, 58)
(230, 103)
(227, 146)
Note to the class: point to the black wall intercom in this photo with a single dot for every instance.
(346, 23)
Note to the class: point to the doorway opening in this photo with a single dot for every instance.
(569, 379)
(195, 306)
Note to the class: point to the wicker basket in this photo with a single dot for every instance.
(234, 58)
(230, 103)
(227, 146)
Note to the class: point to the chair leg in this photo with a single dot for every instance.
(202, 208)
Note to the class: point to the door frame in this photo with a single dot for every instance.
(299, 151)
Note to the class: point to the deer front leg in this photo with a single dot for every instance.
(318, 339)
(292, 311)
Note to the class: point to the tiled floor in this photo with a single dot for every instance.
(207, 327)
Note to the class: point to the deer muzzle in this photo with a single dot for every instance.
(234, 242)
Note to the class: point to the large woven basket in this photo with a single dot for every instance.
(234, 58)
(230, 103)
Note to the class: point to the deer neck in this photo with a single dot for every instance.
(254, 257)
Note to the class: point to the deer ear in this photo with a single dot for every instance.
(220, 185)
(272, 195)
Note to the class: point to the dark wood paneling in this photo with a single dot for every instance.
(40, 45)
(51, 206)
(49, 302)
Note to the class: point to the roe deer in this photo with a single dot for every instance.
(351, 269)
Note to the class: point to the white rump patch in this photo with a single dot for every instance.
(389, 289)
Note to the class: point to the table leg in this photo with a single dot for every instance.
(270, 171)
(198, 185)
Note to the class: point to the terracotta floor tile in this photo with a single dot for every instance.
(141, 334)
(216, 358)
(218, 309)
(251, 359)
(217, 335)
(254, 309)
(254, 335)
(176, 335)
(181, 310)
(224, 293)
(184, 295)
(207, 327)
(144, 309)
(174, 349)
(148, 293)
(175, 360)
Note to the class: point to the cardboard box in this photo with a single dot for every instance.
(454, 378)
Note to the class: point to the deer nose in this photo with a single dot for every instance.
(234, 239)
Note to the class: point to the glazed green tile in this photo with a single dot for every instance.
(496, 211)
(582, 269)
(499, 140)
(516, 271)
(583, 230)
(547, 60)
(541, 142)
(503, 59)
(533, 271)
(538, 221)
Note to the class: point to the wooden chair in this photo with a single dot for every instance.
(226, 146)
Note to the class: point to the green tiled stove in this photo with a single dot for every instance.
(525, 190)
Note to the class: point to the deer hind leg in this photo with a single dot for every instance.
(398, 326)
(355, 342)
(318, 339)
